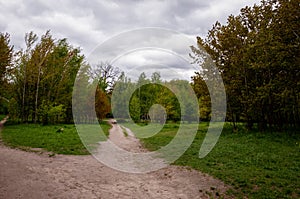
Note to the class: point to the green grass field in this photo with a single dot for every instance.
(256, 165)
(26, 136)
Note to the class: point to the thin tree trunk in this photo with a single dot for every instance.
(38, 85)
(23, 95)
(37, 94)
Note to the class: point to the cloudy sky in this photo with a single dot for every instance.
(88, 23)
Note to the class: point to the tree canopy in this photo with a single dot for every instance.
(257, 54)
(41, 78)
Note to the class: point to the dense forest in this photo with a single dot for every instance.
(37, 82)
(258, 56)
(256, 53)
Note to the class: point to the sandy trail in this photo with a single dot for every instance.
(125, 153)
(128, 143)
(36, 175)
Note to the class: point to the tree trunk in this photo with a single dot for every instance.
(23, 95)
(38, 85)
(37, 94)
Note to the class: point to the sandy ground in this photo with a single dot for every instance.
(36, 175)
(128, 143)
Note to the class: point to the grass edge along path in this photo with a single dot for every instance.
(256, 165)
(59, 139)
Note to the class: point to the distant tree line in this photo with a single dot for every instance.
(154, 99)
(258, 55)
(140, 101)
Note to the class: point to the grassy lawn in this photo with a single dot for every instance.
(257, 165)
(26, 136)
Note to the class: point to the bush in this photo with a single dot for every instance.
(52, 113)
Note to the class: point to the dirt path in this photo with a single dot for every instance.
(124, 152)
(34, 175)
(2, 122)
(117, 134)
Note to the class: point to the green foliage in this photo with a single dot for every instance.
(6, 56)
(43, 112)
(154, 100)
(51, 113)
(135, 109)
(2, 117)
(56, 113)
(203, 96)
(44, 75)
(256, 165)
(13, 109)
(257, 53)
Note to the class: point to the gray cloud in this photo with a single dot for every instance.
(89, 23)
(82, 20)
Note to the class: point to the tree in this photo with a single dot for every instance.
(146, 98)
(201, 90)
(44, 74)
(135, 109)
(13, 109)
(39, 57)
(22, 76)
(106, 75)
(6, 55)
(257, 53)
(120, 100)
(102, 104)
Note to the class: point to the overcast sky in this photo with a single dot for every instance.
(88, 23)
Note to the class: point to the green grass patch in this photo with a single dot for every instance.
(162, 138)
(124, 131)
(105, 127)
(2, 117)
(26, 136)
(257, 165)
